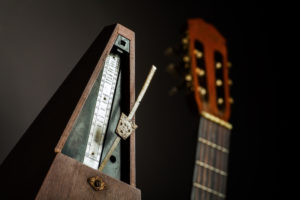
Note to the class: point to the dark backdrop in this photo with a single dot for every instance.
(41, 42)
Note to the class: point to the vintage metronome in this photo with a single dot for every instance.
(74, 150)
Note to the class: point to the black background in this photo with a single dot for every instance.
(41, 42)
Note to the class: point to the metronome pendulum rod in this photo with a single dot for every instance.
(126, 126)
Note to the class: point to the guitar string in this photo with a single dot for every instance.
(206, 158)
(201, 154)
(211, 152)
(220, 181)
(223, 160)
(218, 163)
(214, 159)
(227, 137)
(226, 156)
(200, 150)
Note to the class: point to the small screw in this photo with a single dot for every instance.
(97, 183)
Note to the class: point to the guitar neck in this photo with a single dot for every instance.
(210, 171)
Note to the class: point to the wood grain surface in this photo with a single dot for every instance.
(67, 179)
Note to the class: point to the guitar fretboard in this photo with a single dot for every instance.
(210, 171)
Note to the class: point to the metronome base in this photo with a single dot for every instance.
(68, 179)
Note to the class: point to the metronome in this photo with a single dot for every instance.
(89, 138)
(73, 149)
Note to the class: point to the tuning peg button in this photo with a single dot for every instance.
(202, 90)
(171, 68)
(185, 40)
(188, 77)
(219, 82)
(229, 64)
(220, 101)
(231, 100)
(169, 51)
(218, 65)
(198, 53)
(200, 72)
(173, 91)
(186, 59)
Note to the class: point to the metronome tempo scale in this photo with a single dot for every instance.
(91, 137)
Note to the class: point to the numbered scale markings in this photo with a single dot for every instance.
(102, 111)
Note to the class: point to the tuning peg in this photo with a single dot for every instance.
(188, 77)
(218, 65)
(220, 101)
(173, 91)
(169, 51)
(198, 53)
(171, 68)
(186, 59)
(219, 82)
(185, 40)
(202, 90)
(200, 72)
(231, 100)
(189, 84)
(229, 64)
(230, 82)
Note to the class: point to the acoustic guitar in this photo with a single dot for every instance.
(204, 68)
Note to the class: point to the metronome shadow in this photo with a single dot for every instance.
(24, 169)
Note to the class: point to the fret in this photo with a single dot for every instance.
(202, 164)
(213, 145)
(216, 120)
(212, 156)
(209, 190)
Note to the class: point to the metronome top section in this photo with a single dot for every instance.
(110, 91)
(125, 43)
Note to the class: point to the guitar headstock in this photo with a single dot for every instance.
(205, 58)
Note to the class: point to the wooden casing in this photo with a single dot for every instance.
(67, 178)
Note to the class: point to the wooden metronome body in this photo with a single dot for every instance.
(67, 179)
(47, 162)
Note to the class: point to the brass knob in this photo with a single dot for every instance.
(219, 82)
(173, 91)
(185, 40)
(230, 82)
(200, 71)
(186, 59)
(169, 51)
(202, 90)
(231, 100)
(220, 101)
(229, 64)
(198, 53)
(218, 65)
(188, 77)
